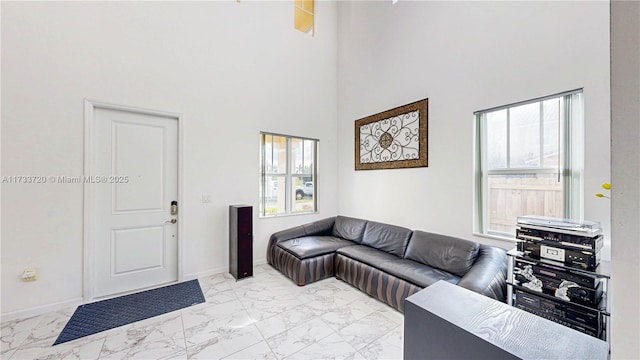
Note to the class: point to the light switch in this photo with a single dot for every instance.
(206, 198)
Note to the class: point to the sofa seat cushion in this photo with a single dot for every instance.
(311, 246)
(367, 254)
(417, 273)
(408, 270)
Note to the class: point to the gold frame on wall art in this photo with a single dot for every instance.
(392, 139)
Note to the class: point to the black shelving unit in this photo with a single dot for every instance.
(549, 304)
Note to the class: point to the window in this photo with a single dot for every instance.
(288, 175)
(529, 161)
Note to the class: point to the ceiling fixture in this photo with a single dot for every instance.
(303, 16)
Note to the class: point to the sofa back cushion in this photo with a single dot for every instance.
(447, 253)
(388, 238)
(322, 227)
(349, 228)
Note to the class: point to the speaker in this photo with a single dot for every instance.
(241, 241)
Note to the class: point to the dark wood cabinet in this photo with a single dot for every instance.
(241, 241)
(447, 321)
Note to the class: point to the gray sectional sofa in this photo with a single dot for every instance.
(386, 261)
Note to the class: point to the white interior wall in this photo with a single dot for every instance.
(464, 57)
(231, 69)
(181, 58)
(625, 176)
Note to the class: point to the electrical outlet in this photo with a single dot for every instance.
(206, 198)
(29, 275)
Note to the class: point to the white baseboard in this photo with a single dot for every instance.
(201, 274)
(222, 270)
(39, 310)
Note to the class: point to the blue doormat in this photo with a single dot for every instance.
(103, 315)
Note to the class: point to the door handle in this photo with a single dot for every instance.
(173, 221)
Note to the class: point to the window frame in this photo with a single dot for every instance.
(570, 163)
(289, 175)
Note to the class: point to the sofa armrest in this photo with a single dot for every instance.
(287, 234)
(316, 228)
(488, 275)
(283, 235)
(319, 228)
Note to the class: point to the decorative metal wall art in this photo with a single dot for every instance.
(393, 139)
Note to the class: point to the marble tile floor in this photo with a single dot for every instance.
(264, 317)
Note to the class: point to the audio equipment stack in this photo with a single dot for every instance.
(556, 273)
(567, 242)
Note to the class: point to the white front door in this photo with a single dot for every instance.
(134, 180)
